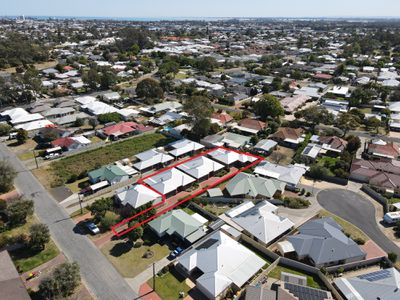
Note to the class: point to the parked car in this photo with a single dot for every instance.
(92, 228)
(176, 252)
(52, 156)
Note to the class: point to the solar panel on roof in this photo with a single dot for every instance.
(375, 276)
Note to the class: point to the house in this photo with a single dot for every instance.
(221, 119)
(312, 151)
(341, 91)
(135, 196)
(128, 113)
(97, 108)
(178, 223)
(323, 243)
(111, 97)
(290, 137)
(201, 167)
(250, 126)
(166, 118)
(244, 184)
(169, 181)
(11, 285)
(17, 116)
(383, 284)
(71, 143)
(184, 147)
(111, 173)
(265, 146)
(124, 129)
(290, 174)
(229, 139)
(151, 159)
(291, 104)
(229, 157)
(221, 263)
(382, 174)
(335, 106)
(161, 108)
(58, 112)
(34, 126)
(332, 144)
(382, 149)
(260, 220)
(85, 100)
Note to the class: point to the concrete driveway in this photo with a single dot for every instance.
(357, 210)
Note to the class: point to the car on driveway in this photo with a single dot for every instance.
(92, 228)
(175, 253)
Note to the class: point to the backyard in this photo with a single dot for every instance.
(70, 168)
(312, 281)
(281, 155)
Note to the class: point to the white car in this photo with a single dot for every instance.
(92, 228)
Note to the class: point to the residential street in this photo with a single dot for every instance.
(98, 273)
(359, 211)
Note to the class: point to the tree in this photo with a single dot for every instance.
(109, 117)
(79, 122)
(64, 280)
(168, 67)
(318, 172)
(315, 115)
(93, 122)
(136, 233)
(374, 123)
(18, 211)
(3, 205)
(107, 79)
(201, 128)
(347, 121)
(91, 78)
(198, 107)
(206, 64)
(39, 236)
(7, 176)
(392, 257)
(4, 129)
(149, 89)
(353, 144)
(22, 136)
(277, 157)
(268, 106)
(276, 84)
(99, 207)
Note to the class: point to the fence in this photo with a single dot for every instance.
(197, 208)
(376, 196)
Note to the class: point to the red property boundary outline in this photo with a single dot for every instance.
(189, 197)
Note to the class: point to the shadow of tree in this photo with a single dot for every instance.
(121, 248)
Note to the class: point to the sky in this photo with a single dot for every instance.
(201, 8)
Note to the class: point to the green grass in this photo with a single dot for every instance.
(181, 76)
(26, 155)
(78, 212)
(25, 259)
(394, 200)
(216, 209)
(21, 229)
(188, 211)
(95, 139)
(63, 169)
(168, 286)
(76, 186)
(312, 281)
(348, 228)
(129, 261)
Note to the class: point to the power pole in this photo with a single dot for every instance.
(34, 155)
(80, 203)
(154, 276)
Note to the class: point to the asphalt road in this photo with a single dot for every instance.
(357, 210)
(101, 277)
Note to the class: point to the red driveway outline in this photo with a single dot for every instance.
(164, 198)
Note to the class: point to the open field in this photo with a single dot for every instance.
(64, 169)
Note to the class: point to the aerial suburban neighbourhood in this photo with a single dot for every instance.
(254, 157)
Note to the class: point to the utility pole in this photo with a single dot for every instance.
(154, 276)
(80, 202)
(34, 155)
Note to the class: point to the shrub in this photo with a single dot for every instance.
(296, 203)
(109, 219)
(138, 244)
(359, 241)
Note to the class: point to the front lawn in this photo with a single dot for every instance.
(169, 285)
(25, 259)
(129, 261)
(312, 281)
(69, 168)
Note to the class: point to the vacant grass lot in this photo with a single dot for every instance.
(66, 168)
(348, 228)
(129, 261)
(169, 285)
